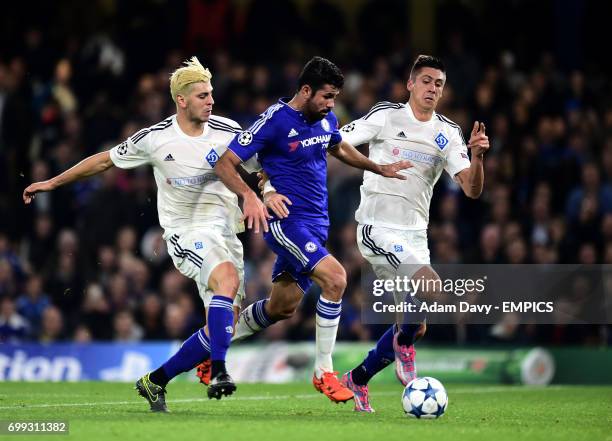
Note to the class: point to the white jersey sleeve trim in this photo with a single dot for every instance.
(366, 128)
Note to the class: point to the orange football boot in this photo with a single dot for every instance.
(329, 385)
(203, 372)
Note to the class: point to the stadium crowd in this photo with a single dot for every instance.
(87, 262)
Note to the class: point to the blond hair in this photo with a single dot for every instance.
(182, 78)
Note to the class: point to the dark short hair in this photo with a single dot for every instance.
(426, 61)
(318, 72)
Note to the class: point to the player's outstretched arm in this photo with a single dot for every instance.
(254, 211)
(89, 166)
(472, 179)
(348, 154)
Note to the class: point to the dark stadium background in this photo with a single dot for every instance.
(79, 77)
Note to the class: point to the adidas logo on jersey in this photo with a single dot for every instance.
(292, 133)
(169, 157)
(401, 134)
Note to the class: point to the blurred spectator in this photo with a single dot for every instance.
(33, 302)
(591, 188)
(8, 284)
(125, 328)
(82, 335)
(96, 314)
(490, 245)
(38, 249)
(52, 326)
(151, 318)
(13, 327)
(174, 322)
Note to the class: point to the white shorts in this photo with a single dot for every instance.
(196, 253)
(394, 253)
(386, 249)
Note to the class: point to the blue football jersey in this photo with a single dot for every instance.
(292, 151)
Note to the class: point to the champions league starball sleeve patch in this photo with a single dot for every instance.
(245, 138)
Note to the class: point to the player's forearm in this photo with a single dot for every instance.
(348, 154)
(476, 178)
(89, 166)
(225, 168)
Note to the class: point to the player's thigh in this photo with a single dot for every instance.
(302, 247)
(236, 253)
(188, 252)
(196, 254)
(393, 252)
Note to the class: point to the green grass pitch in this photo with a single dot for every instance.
(291, 412)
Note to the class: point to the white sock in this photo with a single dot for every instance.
(328, 318)
(252, 319)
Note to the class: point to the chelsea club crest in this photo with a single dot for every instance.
(311, 247)
(325, 125)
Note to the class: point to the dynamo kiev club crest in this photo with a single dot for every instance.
(441, 141)
(212, 157)
(245, 138)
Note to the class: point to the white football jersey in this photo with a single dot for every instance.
(189, 193)
(394, 134)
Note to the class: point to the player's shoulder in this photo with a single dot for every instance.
(268, 119)
(453, 127)
(331, 118)
(152, 130)
(382, 108)
(274, 112)
(441, 119)
(329, 123)
(223, 124)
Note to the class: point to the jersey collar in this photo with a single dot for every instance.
(182, 134)
(414, 119)
(295, 113)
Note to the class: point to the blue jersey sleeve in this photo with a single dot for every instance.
(248, 142)
(335, 134)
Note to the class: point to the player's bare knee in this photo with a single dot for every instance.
(334, 285)
(224, 280)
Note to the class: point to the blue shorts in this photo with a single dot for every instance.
(299, 247)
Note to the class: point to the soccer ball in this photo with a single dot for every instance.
(424, 398)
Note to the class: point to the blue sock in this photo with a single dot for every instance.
(220, 321)
(378, 358)
(260, 315)
(252, 319)
(192, 352)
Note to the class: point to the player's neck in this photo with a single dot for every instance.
(296, 103)
(188, 126)
(420, 114)
(299, 105)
